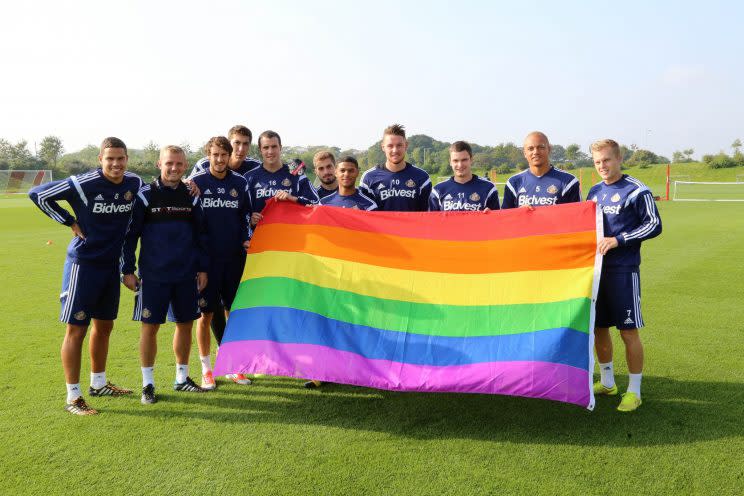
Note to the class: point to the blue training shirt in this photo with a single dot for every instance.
(225, 205)
(263, 185)
(248, 165)
(357, 200)
(170, 226)
(102, 210)
(476, 194)
(407, 190)
(552, 188)
(630, 215)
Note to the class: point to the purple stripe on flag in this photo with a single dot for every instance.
(306, 361)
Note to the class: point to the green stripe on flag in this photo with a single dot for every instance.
(419, 318)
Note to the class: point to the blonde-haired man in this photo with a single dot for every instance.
(173, 263)
(630, 217)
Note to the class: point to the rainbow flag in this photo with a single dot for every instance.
(496, 302)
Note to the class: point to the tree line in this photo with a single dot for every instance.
(425, 151)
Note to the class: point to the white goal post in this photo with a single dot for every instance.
(21, 181)
(731, 191)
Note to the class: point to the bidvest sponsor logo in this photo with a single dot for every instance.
(404, 193)
(460, 205)
(269, 192)
(111, 208)
(537, 200)
(607, 209)
(218, 203)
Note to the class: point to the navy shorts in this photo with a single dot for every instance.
(619, 301)
(153, 299)
(222, 283)
(89, 292)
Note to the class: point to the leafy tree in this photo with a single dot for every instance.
(417, 155)
(354, 153)
(557, 154)
(720, 161)
(680, 157)
(576, 157)
(73, 167)
(736, 145)
(80, 161)
(17, 156)
(375, 155)
(643, 158)
(572, 152)
(625, 152)
(50, 150)
(151, 153)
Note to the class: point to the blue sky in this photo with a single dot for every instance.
(662, 75)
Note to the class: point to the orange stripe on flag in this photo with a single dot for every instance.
(548, 252)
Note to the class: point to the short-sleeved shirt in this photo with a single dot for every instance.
(358, 200)
(476, 194)
(552, 188)
(322, 192)
(407, 190)
(225, 205)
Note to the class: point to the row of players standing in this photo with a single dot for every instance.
(227, 172)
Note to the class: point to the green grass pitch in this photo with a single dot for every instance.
(277, 438)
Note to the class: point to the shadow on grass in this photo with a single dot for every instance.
(674, 412)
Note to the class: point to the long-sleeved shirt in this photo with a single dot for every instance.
(630, 216)
(101, 208)
(171, 228)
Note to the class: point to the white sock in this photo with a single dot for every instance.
(148, 376)
(182, 372)
(206, 365)
(634, 384)
(73, 392)
(607, 374)
(97, 379)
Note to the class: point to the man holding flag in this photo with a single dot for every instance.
(630, 217)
